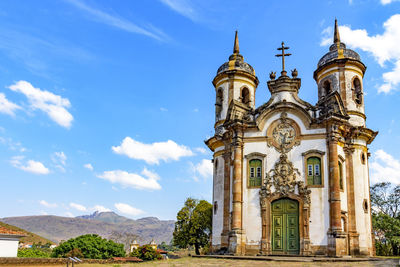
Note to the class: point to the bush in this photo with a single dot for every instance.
(90, 246)
(146, 253)
(33, 253)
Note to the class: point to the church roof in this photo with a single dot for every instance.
(338, 50)
(236, 61)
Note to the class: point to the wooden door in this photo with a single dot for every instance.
(285, 226)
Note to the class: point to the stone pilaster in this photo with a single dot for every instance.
(354, 247)
(236, 242)
(336, 237)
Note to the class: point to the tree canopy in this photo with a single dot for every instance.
(91, 246)
(193, 225)
(385, 203)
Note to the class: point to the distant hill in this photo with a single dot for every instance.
(29, 237)
(58, 228)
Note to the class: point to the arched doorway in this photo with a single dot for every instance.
(285, 226)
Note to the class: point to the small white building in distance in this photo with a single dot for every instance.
(9, 240)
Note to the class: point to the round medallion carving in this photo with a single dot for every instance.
(284, 134)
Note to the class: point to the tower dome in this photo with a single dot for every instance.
(337, 50)
(236, 61)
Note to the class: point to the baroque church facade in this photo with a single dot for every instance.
(291, 177)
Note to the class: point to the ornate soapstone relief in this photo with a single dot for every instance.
(282, 178)
(284, 135)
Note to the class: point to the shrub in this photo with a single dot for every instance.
(33, 253)
(146, 253)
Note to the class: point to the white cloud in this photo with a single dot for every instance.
(163, 109)
(7, 106)
(386, 2)
(152, 153)
(60, 159)
(32, 166)
(127, 209)
(47, 204)
(120, 23)
(204, 169)
(201, 150)
(12, 145)
(183, 7)
(77, 206)
(69, 214)
(384, 48)
(53, 105)
(126, 179)
(100, 208)
(384, 168)
(88, 166)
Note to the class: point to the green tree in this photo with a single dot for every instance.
(91, 246)
(385, 203)
(146, 253)
(193, 225)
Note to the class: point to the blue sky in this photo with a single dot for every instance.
(105, 105)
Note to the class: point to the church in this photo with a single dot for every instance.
(292, 178)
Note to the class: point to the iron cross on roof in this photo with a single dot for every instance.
(283, 57)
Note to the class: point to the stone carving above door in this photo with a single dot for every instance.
(282, 179)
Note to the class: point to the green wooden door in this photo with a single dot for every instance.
(285, 226)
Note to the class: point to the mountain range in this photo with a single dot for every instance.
(105, 224)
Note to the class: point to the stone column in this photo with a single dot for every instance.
(235, 238)
(227, 197)
(354, 247)
(336, 238)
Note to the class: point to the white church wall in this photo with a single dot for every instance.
(361, 192)
(218, 199)
(251, 200)
(319, 196)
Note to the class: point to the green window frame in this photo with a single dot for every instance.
(255, 172)
(314, 171)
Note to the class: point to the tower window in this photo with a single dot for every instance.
(218, 102)
(314, 171)
(327, 88)
(357, 91)
(255, 172)
(245, 96)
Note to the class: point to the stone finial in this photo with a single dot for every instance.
(336, 36)
(295, 73)
(236, 44)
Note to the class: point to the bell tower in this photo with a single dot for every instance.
(341, 70)
(235, 80)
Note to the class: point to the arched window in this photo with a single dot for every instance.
(245, 96)
(357, 91)
(314, 171)
(341, 186)
(327, 87)
(218, 102)
(255, 172)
